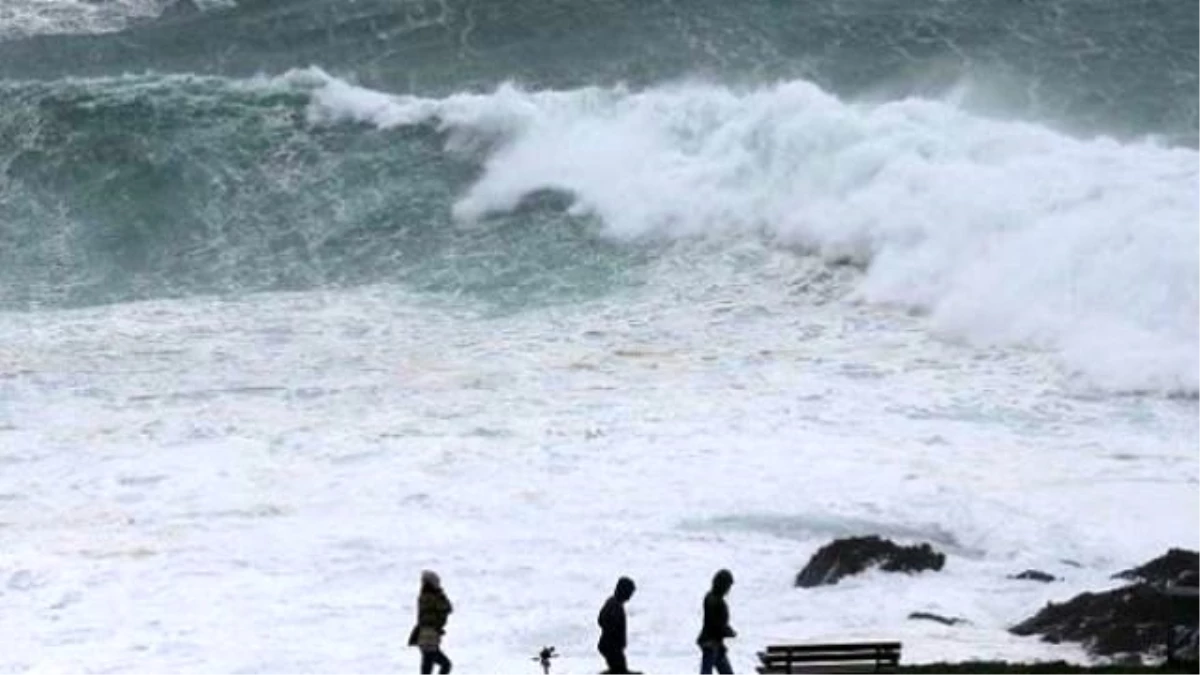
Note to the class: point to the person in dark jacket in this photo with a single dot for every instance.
(613, 636)
(433, 609)
(716, 626)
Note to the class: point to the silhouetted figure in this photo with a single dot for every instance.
(544, 657)
(433, 608)
(716, 626)
(613, 636)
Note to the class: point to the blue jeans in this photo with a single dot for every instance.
(710, 657)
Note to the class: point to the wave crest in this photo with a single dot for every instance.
(1002, 231)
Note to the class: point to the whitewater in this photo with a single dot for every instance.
(1004, 232)
(272, 344)
(254, 485)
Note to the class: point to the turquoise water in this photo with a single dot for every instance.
(190, 178)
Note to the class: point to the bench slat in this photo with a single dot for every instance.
(850, 657)
(833, 668)
(869, 662)
(857, 653)
(841, 647)
(827, 656)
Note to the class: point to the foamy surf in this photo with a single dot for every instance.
(272, 342)
(23, 18)
(1003, 232)
(256, 482)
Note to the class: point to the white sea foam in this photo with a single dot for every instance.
(1003, 232)
(255, 485)
(19, 18)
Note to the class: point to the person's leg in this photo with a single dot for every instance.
(722, 662)
(614, 659)
(443, 661)
(426, 661)
(618, 664)
(706, 661)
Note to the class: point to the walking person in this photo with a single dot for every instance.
(613, 636)
(433, 608)
(716, 626)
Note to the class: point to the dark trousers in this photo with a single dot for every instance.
(615, 659)
(714, 656)
(429, 657)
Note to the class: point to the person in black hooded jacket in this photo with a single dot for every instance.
(716, 626)
(433, 609)
(613, 637)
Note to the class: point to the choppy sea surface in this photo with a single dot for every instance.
(300, 298)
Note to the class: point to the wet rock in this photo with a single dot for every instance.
(844, 557)
(930, 616)
(1035, 575)
(1128, 619)
(1175, 566)
(1136, 620)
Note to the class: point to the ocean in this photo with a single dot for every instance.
(299, 298)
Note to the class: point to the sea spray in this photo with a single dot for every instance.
(1003, 232)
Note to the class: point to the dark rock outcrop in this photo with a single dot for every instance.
(1125, 620)
(1132, 620)
(930, 616)
(844, 557)
(1176, 566)
(1035, 575)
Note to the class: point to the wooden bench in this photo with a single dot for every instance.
(858, 657)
